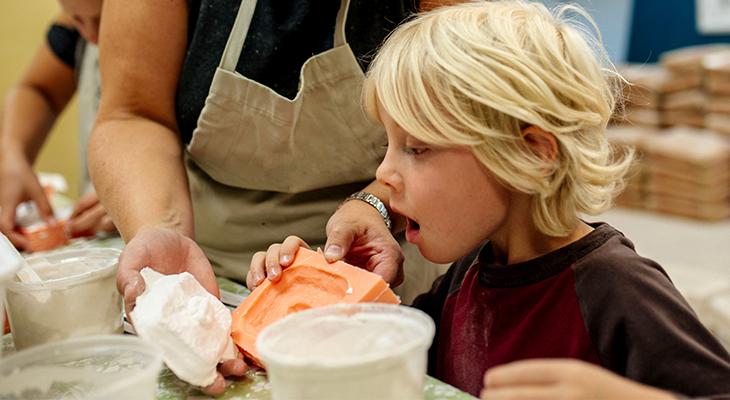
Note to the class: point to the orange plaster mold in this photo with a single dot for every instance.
(45, 237)
(309, 282)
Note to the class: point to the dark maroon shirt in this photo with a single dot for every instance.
(594, 300)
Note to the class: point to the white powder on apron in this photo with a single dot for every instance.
(191, 326)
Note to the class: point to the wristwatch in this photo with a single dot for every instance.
(374, 201)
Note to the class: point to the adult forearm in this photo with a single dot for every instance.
(27, 119)
(137, 168)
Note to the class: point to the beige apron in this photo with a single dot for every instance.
(88, 103)
(262, 167)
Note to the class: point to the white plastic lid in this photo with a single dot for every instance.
(91, 367)
(69, 267)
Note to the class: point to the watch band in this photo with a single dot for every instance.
(374, 201)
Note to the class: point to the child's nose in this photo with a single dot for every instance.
(387, 175)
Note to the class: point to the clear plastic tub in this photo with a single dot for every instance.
(110, 367)
(77, 297)
(366, 350)
(10, 263)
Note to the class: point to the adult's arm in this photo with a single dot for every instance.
(30, 109)
(135, 154)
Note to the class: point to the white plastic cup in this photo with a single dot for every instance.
(348, 351)
(109, 367)
(77, 297)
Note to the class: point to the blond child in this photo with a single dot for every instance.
(495, 115)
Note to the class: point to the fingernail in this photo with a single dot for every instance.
(285, 259)
(258, 277)
(332, 252)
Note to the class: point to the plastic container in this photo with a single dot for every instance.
(77, 297)
(10, 263)
(348, 351)
(110, 367)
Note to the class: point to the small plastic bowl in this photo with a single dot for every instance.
(364, 350)
(77, 297)
(113, 367)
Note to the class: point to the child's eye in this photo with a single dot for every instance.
(414, 151)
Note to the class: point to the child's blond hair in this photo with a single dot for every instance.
(477, 74)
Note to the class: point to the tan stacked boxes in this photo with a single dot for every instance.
(688, 173)
(687, 106)
(622, 138)
(716, 67)
(643, 94)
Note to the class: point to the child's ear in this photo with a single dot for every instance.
(541, 142)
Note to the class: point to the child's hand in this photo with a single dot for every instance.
(269, 263)
(562, 379)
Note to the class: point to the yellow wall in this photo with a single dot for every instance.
(23, 26)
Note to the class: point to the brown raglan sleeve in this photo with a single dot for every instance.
(643, 328)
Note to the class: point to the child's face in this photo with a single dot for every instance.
(86, 16)
(450, 199)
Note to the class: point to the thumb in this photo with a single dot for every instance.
(338, 243)
(41, 201)
(131, 289)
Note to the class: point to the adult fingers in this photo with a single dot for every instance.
(88, 221)
(339, 241)
(106, 225)
(7, 226)
(87, 201)
(234, 367)
(217, 387)
(38, 196)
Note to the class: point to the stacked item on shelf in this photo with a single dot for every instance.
(687, 106)
(622, 137)
(716, 68)
(688, 173)
(682, 171)
(644, 96)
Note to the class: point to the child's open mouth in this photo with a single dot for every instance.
(412, 230)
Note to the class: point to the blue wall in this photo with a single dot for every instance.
(661, 25)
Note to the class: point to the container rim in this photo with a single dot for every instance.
(270, 355)
(91, 345)
(104, 270)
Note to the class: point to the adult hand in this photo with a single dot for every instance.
(167, 252)
(562, 379)
(234, 368)
(89, 217)
(356, 233)
(19, 183)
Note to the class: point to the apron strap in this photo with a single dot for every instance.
(236, 39)
(341, 22)
(234, 45)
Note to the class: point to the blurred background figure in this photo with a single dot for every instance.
(64, 63)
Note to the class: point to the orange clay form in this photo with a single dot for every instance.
(309, 282)
(45, 237)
